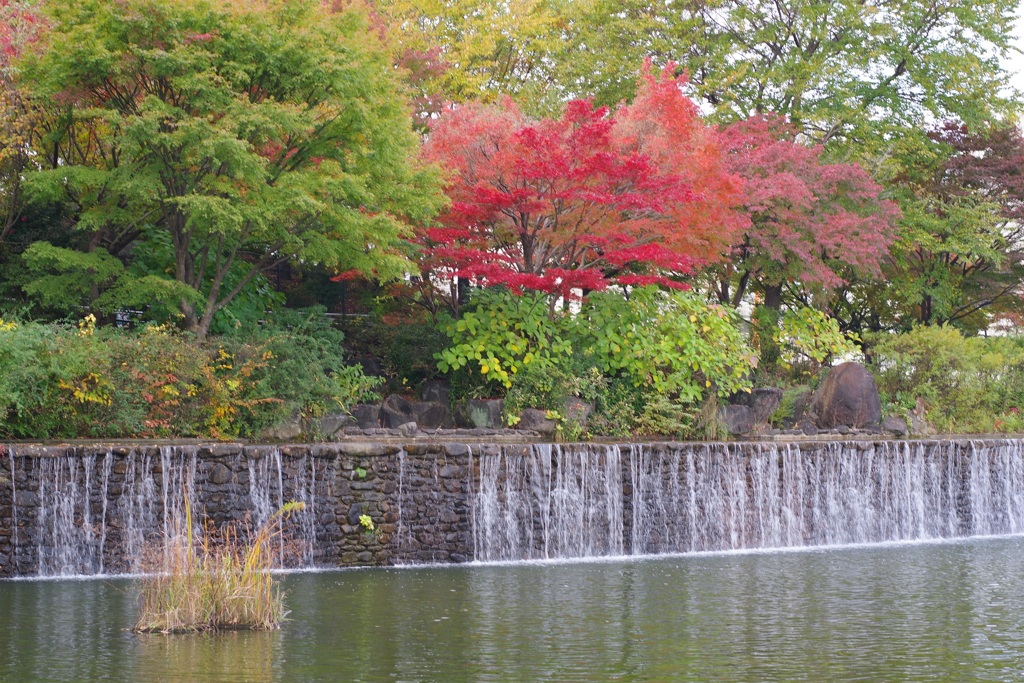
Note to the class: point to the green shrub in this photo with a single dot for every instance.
(547, 387)
(61, 381)
(672, 342)
(648, 361)
(409, 352)
(294, 363)
(968, 384)
(502, 333)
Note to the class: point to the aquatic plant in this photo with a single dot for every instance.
(214, 583)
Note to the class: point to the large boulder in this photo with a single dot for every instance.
(846, 397)
(537, 420)
(367, 416)
(432, 414)
(484, 413)
(917, 420)
(762, 402)
(329, 425)
(436, 391)
(577, 411)
(286, 431)
(738, 419)
(396, 411)
(895, 425)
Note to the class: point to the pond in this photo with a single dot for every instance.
(948, 611)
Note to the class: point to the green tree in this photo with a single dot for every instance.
(479, 49)
(842, 70)
(241, 135)
(959, 253)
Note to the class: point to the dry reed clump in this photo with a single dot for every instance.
(211, 586)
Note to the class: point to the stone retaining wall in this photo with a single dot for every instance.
(87, 509)
(91, 509)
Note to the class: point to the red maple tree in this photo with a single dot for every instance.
(810, 222)
(638, 196)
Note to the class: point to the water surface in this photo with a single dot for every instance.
(927, 612)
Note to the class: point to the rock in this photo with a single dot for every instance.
(354, 512)
(456, 450)
(329, 425)
(762, 401)
(366, 416)
(917, 420)
(738, 419)
(436, 391)
(536, 420)
(484, 413)
(371, 366)
(409, 429)
(807, 427)
(432, 414)
(395, 412)
(801, 402)
(287, 431)
(577, 411)
(895, 425)
(848, 397)
(219, 474)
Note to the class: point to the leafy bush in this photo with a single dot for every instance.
(503, 333)
(647, 361)
(968, 384)
(62, 381)
(672, 342)
(809, 338)
(547, 387)
(292, 364)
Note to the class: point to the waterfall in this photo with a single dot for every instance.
(582, 501)
(90, 512)
(270, 488)
(551, 501)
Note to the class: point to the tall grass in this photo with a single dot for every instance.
(213, 584)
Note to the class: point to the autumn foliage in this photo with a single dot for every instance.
(636, 196)
(809, 221)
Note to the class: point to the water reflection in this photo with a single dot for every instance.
(227, 657)
(946, 612)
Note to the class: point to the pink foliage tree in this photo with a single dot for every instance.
(809, 221)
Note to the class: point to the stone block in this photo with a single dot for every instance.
(895, 425)
(409, 429)
(218, 474)
(286, 431)
(763, 401)
(367, 416)
(432, 414)
(576, 411)
(395, 412)
(331, 425)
